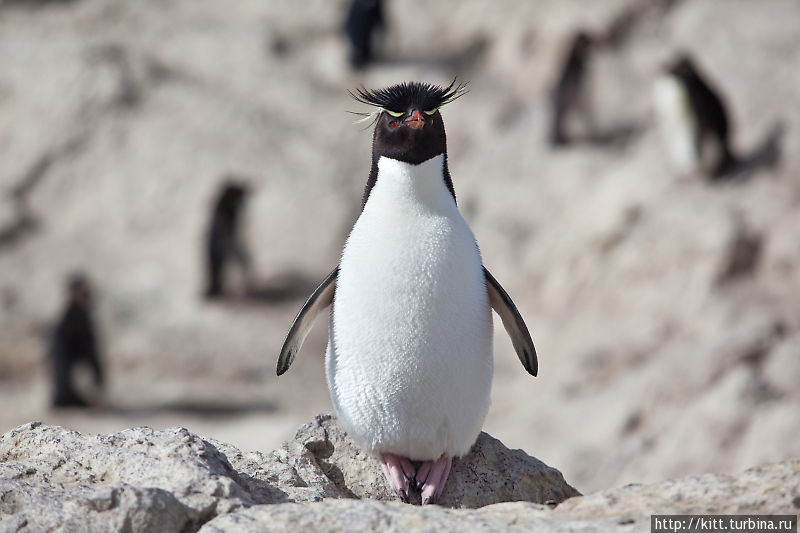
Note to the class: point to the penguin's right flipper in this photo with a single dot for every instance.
(515, 327)
(321, 298)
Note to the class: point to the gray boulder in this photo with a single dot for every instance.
(137, 480)
(769, 489)
(26, 506)
(144, 480)
(339, 516)
(490, 473)
(141, 479)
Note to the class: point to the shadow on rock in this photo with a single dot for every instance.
(284, 287)
(766, 156)
(276, 290)
(190, 408)
(614, 137)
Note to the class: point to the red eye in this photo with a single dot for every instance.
(393, 124)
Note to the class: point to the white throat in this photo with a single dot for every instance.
(402, 186)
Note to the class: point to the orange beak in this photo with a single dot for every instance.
(416, 120)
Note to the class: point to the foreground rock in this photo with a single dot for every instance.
(172, 480)
(769, 489)
(491, 473)
(142, 480)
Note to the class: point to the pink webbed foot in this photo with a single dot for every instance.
(398, 471)
(432, 476)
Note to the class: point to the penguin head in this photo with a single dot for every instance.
(408, 124)
(79, 289)
(582, 41)
(232, 195)
(682, 67)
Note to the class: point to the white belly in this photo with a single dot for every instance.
(409, 360)
(677, 124)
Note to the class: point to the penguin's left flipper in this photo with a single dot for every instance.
(512, 321)
(321, 298)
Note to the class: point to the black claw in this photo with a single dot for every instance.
(403, 496)
(426, 501)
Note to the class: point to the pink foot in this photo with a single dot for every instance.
(398, 471)
(432, 476)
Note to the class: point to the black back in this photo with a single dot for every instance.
(704, 100)
(363, 18)
(74, 340)
(574, 66)
(223, 242)
(567, 90)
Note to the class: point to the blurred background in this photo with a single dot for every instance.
(176, 176)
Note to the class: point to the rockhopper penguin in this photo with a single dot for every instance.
(409, 360)
(570, 91)
(364, 19)
(224, 244)
(693, 121)
(74, 341)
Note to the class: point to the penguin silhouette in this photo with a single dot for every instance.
(224, 243)
(693, 120)
(569, 93)
(74, 341)
(363, 19)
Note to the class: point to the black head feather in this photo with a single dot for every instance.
(404, 95)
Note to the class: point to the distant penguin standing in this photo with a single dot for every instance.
(224, 242)
(693, 121)
(363, 18)
(409, 360)
(74, 341)
(569, 93)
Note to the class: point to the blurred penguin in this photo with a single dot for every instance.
(570, 92)
(224, 242)
(693, 121)
(363, 18)
(74, 342)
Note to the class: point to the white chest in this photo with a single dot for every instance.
(411, 329)
(677, 124)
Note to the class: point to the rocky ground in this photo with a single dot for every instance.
(664, 308)
(171, 480)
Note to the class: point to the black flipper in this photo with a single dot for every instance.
(512, 321)
(321, 298)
